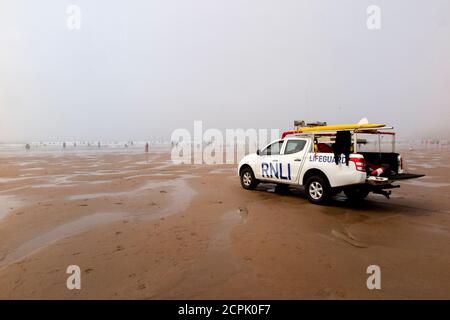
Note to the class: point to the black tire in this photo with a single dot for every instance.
(318, 190)
(356, 193)
(248, 180)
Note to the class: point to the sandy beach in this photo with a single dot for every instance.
(141, 227)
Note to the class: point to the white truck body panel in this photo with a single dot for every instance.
(338, 174)
(289, 165)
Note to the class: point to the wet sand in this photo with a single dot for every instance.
(141, 227)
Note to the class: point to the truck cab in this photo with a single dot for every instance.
(310, 159)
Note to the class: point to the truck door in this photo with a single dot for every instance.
(292, 158)
(267, 163)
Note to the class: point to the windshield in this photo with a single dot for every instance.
(272, 149)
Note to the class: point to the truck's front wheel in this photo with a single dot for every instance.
(318, 190)
(248, 180)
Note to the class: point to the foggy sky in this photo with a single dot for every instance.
(139, 69)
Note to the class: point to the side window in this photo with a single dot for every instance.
(272, 149)
(294, 146)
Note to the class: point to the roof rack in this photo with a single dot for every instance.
(310, 131)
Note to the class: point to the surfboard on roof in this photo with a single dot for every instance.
(341, 127)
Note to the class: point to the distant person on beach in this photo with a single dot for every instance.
(146, 147)
(99, 144)
(27, 147)
(64, 145)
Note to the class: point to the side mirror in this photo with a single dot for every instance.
(258, 152)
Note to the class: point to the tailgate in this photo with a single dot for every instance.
(404, 176)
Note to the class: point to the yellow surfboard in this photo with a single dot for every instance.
(342, 127)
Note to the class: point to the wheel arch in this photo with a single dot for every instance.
(314, 172)
(245, 165)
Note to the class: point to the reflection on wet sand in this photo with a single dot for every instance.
(8, 203)
(180, 191)
(191, 231)
(63, 231)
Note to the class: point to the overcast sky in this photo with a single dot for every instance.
(139, 69)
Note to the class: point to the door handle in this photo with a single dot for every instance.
(297, 159)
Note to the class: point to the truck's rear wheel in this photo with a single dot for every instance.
(356, 193)
(248, 180)
(318, 190)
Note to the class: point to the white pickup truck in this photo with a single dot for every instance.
(308, 159)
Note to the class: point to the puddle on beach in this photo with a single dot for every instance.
(14, 179)
(165, 165)
(51, 179)
(15, 189)
(413, 165)
(57, 181)
(223, 170)
(32, 169)
(145, 162)
(8, 204)
(29, 163)
(427, 184)
(150, 175)
(52, 185)
(104, 172)
(222, 236)
(179, 195)
(348, 238)
(182, 192)
(180, 188)
(217, 264)
(98, 181)
(63, 231)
